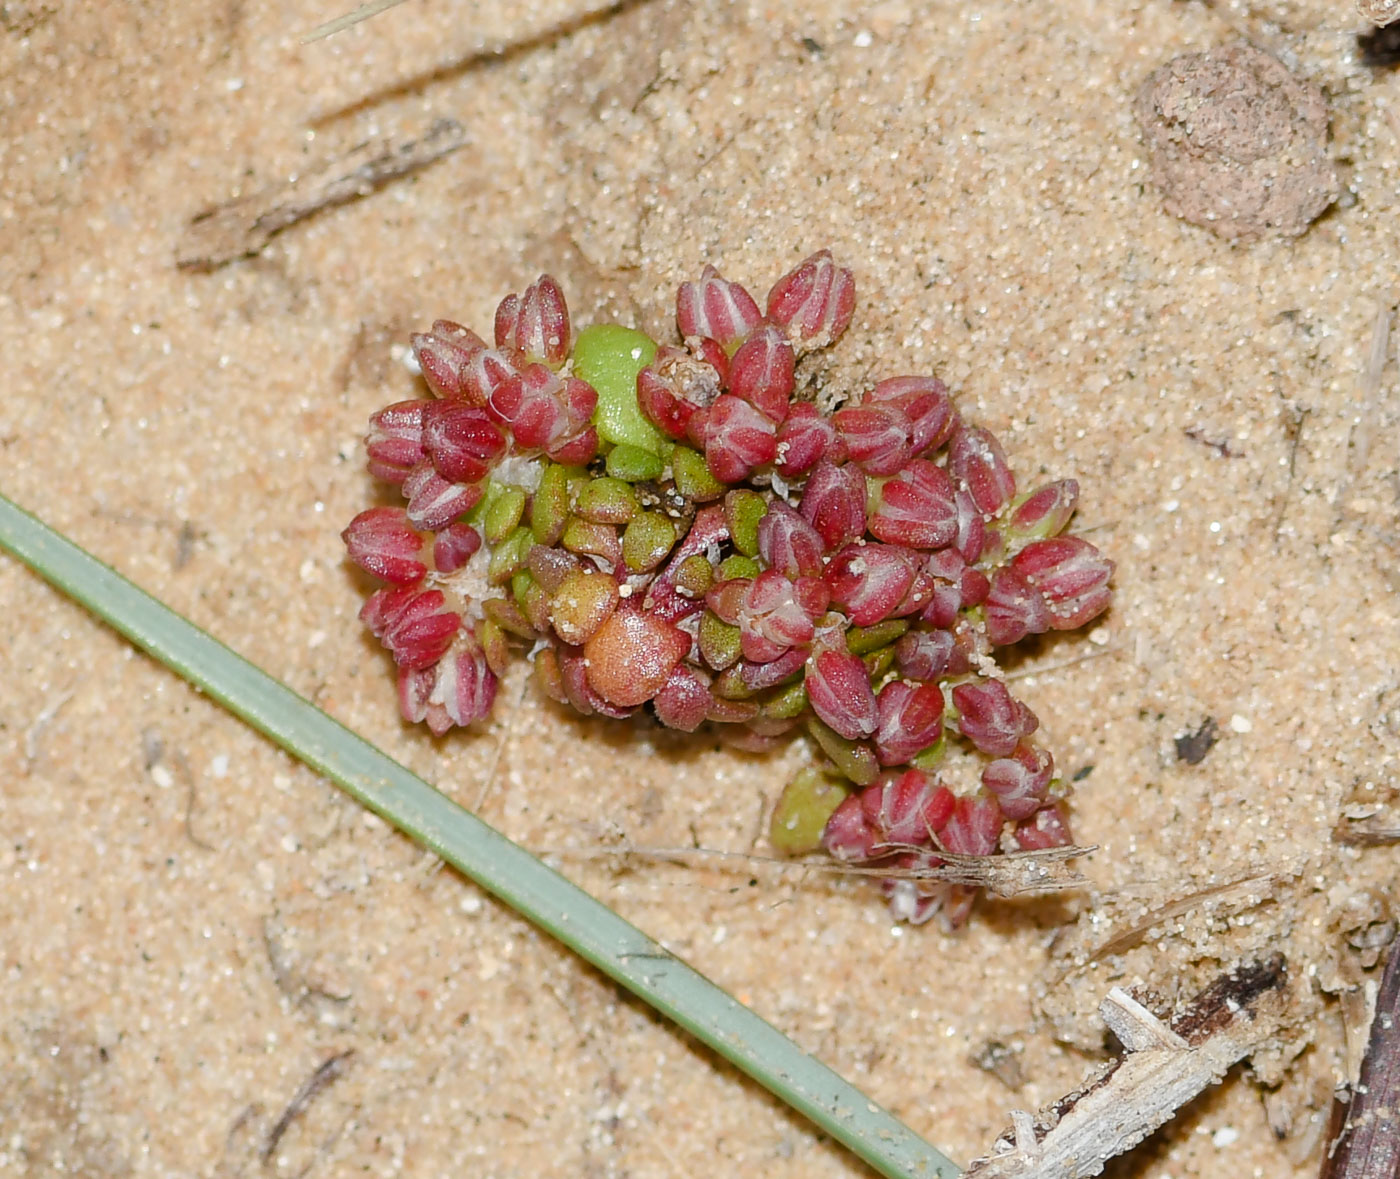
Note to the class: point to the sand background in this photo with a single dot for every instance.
(191, 924)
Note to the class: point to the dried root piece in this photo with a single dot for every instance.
(1164, 1067)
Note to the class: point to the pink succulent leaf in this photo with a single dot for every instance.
(849, 835)
(674, 385)
(1071, 575)
(971, 539)
(443, 356)
(869, 582)
(1047, 828)
(908, 808)
(773, 615)
(945, 567)
(1014, 608)
(394, 442)
(707, 532)
(461, 441)
(876, 436)
(919, 901)
(838, 688)
(382, 541)
(433, 502)
(1044, 512)
(975, 459)
(910, 720)
(535, 324)
(974, 828)
(926, 404)
(682, 704)
(991, 717)
(415, 625)
(717, 308)
(814, 302)
(833, 502)
(789, 544)
(916, 507)
(486, 371)
(761, 372)
(759, 676)
(454, 546)
(1021, 780)
(458, 690)
(925, 655)
(737, 439)
(805, 438)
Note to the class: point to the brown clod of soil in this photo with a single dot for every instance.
(1238, 144)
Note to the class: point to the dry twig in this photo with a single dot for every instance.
(1164, 1067)
(242, 227)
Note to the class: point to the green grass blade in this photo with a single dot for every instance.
(478, 851)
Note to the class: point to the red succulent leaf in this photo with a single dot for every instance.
(454, 546)
(535, 324)
(1047, 828)
(927, 406)
(910, 720)
(838, 688)
(916, 507)
(925, 655)
(975, 827)
(443, 355)
(1014, 608)
(457, 690)
(1071, 575)
(761, 372)
(1021, 780)
(394, 442)
(382, 541)
(991, 717)
(787, 543)
(814, 302)
(717, 308)
(1044, 512)
(869, 582)
(434, 502)
(772, 613)
(707, 532)
(849, 834)
(684, 701)
(415, 625)
(908, 808)
(805, 438)
(676, 384)
(737, 439)
(461, 441)
(876, 436)
(976, 459)
(833, 502)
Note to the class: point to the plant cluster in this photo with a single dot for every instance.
(676, 528)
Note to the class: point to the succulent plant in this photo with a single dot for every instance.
(674, 528)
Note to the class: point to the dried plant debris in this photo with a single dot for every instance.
(1368, 1144)
(1164, 1067)
(1192, 746)
(243, 227)
(1238, 144)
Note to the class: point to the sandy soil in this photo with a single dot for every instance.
(190, 924)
